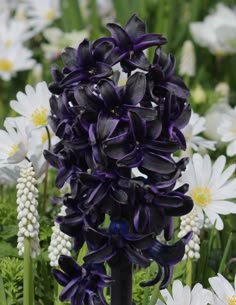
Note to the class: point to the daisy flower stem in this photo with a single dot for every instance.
(189, 272)
(49, 137)
(28, 274)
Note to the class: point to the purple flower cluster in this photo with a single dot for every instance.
(107, 131)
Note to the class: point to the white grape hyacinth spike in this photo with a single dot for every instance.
(27, 213)
(191, 222)
(61, 244)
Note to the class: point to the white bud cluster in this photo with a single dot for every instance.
(188, 59)
(61, 244)
(27, 214)
(191, 222)
(207, 223)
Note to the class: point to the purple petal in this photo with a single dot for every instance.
(109, 94)
(149, 40)
(69, 266)
(135, 88)
(106, 125)
(121, 37)
(61, 278)
(132, 159)
(159, 164)
(69, 290)
(135, 27)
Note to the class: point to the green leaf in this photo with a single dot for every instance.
(2, 293)
(225, 255)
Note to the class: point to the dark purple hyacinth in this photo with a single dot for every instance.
(116, 151)
(82, 284)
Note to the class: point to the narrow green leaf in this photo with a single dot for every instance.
(147, 289)
(225, 255)
(83, 251)
(94, 19)
(2, 293)
(71, 15)
(155, 295)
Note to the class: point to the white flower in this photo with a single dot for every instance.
(61, 244)
(182, 295)
(187, 60)
(217, 32)
(14, 59)
(188, 223)
(211, 188)
(32, 144)
(191, 132)
(213, 116)
(227, 131)
(199, 95)
(225, 293)
(105, 10)
(13, 31)
(9, 174)
(27, 203)
(58, 40)
(42, 13)
(223, 90)
(13, 142)
(34, 105)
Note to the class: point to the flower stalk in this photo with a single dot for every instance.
(28, 274)
(121, 287)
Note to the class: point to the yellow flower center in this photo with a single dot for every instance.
(50, 15)
(232, 300)
(44, 137)
(39, 117)
(13, 150)
(5, 65)
(201, 196)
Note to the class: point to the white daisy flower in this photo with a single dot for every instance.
(14, 59)
(211, 188)
(34, 141)
(34, 104)
(43, 13)
(9, 174)
(225, 293)
(217, 32)
(13, 31)
(191, 132)
(213, 116)
(182, 295)
(13, 142)
(58, 40)
(188, 59)
(227, 131)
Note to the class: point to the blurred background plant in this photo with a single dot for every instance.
(202, 36)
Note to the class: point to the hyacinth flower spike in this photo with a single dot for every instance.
(107, 132)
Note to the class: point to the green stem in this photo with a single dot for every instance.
(28, 274)
(189, 272)
(155, 295)
(146, 293)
